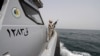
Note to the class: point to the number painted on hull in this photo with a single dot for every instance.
(18, 32)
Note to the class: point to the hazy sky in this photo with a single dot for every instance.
(72, 14)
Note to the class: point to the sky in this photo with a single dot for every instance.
(72, 14)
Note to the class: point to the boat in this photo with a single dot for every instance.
(23, 32)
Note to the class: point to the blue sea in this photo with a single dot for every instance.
(80, 41)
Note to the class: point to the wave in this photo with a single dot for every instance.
(65, 52)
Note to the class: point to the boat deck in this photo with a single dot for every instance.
(51, 46)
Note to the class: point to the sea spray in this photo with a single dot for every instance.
(65, 52)
(81, 53)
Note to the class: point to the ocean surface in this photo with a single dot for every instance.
(82, 42)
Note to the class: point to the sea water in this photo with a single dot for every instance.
(79, 42)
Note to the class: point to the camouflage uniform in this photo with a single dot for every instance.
(50, 27)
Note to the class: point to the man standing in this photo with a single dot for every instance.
(50, 27)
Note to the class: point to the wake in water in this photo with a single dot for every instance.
(65, 52)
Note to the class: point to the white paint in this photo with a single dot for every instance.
(3, 12)
(51, 46)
